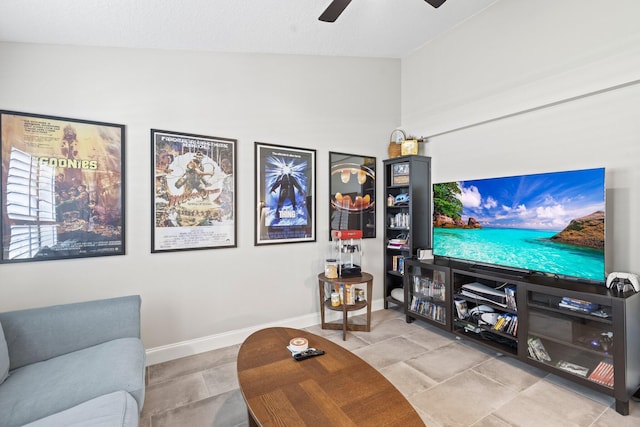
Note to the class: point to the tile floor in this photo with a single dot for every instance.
(450, 382)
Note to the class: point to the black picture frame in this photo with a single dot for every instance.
(352, 193)
(63, 188)
(193, 194)
(285, 187)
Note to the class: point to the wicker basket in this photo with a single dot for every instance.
(395, 146)
(394, 149)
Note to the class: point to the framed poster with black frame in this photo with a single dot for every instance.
(352, 193)
(62, 185)
(285, 181)
(194, 192)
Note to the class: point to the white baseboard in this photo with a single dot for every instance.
(212, 342)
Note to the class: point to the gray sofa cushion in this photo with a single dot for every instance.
(38, 334)
(4, 357)
(44, 388)
(117, 409)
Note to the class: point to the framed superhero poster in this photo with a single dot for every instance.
(285, 194)
(352, 193)
(194, 192)
(62, 188)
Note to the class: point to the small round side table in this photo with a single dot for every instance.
(345, 308)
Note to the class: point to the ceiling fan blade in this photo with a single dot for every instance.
(435, 3)
(334, 10)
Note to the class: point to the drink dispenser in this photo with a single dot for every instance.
(346, 249)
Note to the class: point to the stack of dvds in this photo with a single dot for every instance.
(398, 263)
(537, 350)
(578, 305)
(428, 308)
(429, 288)
(603, 374)
(507, 323)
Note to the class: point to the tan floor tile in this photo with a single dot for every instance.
(446, 362)
(550, 405)
(428, 420)
(463, 400)
(391, 328)
(406, 379)
(491, 421)
(388, 352)
(611, 418)
(428, 336)
(380, 316)
(228, 410)
(353, 341)
(171, 394)
(145, 421)
(510, 372)
(580, 389)
(221, 379)
(186, 365)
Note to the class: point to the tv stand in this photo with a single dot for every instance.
(578, 330)
(497, 271)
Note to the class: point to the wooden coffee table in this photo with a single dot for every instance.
(335, 389)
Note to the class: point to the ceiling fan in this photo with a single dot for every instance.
(338, 6)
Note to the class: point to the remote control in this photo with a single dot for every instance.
(310, 352)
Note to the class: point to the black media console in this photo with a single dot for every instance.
(580, 331)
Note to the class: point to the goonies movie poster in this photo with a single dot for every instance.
(62, 188)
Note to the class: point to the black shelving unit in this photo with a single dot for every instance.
(407, 218)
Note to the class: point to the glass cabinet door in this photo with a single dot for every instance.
(427, 292)
(573, 335)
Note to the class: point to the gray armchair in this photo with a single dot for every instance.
(79, 363)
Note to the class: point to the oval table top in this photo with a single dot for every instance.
(334, 389)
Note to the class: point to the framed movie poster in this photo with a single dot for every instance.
(194, 192)
(285, 194)
(62, 188)
(352, 193)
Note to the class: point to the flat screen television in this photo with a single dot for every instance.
(551, 223)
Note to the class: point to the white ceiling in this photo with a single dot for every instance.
(369, 28)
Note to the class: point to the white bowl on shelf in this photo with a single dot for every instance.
(398, 293)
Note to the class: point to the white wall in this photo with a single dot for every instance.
(329, 104)
(519, 55)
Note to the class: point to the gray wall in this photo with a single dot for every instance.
(329, 104)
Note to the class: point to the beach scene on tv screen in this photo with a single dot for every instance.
(552, 223)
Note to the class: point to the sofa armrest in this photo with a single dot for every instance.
(38, 334)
